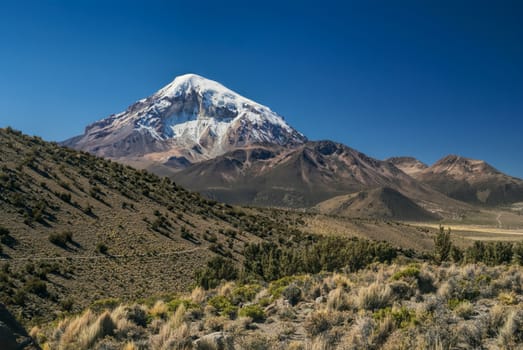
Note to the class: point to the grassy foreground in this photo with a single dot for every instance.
(397, 306)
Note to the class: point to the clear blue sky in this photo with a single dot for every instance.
(421, 78)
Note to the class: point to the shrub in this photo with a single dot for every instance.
(317, 323)
(101, 248)
(217, 270)
(19, 297)
(61, 239)
(253, 311)
(292, 293)
(442, 245)
(464, 309)
(277, 287)
(138, 315)
(402, 317)
(224, 306)
(67, 304)
(102, 304)
(511, 334)
(245, 293)
(36, 286)
(508, 298)
(410, 272)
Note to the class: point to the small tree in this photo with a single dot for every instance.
(442, 245)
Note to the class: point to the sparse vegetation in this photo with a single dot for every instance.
(364, 311)
(264, 280)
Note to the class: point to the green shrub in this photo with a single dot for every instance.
(218, 269)
(292, 293)
(277, 287)
(402, 316)
(36, 286)
(442, 245)
(245, 293)
(223, 306)
(20, 297)
(409, 272)
(253, 311)
(175, 303)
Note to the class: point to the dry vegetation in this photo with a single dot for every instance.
(75, 228)
(415, 306)
(97, 255)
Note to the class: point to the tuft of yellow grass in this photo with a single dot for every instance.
(104, 325)
(159, 309)
(226, 289)
(73, 328)
(130, 346)
(198, 295)
(375, 296)
(337, 299)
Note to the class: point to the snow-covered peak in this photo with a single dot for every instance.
(198, 117)
(192, 82)
(215, 94)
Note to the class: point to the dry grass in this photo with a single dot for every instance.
(376, 296)
(470, 306)
(159, 309)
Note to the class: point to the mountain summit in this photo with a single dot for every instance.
(189, 120)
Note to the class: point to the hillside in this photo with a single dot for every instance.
(305, 176)
(79, 231)
(76, 228)
(381, 202)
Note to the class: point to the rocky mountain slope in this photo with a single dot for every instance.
(214, 141)
(189, 120)
(78, 231)
(465, 179)
(304, 176)
(382, 202)
(409, 165)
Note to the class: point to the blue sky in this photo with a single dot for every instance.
(421, 78)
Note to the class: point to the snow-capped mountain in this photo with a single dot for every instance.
(189, 120)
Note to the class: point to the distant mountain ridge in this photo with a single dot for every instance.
(469, 180)
(303, 177)
(212, 140)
